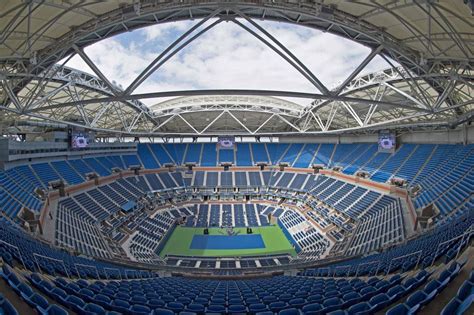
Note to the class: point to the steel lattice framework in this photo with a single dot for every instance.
(430, 85)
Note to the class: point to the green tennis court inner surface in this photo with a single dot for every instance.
(180, 242)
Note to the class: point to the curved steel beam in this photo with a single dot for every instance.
(383, 125)
(319, 16)
(65, 77)
(314, 15)
(234, 92)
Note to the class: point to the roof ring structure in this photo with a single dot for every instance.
(431, 86)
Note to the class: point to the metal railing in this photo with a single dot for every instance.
(348, 267)
(378, 262)
(87, 266)
(35, 256)
(107, 275)
(468, 232)
(418, 253)
(17, 249)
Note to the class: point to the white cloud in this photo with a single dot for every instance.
(228, 57)
(161, 31)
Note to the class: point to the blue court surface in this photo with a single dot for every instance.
(227, 242)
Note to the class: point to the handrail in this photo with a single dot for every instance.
(17, 249)
(35, 255)
(90, 266)
(106, 274)
(341, 267)
(378, 262)
(469, 231)
(418, 253)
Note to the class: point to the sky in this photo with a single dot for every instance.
(227, 57)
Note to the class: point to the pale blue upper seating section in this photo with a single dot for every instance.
(14, 194)
(27, 175)
(415, 162)
(176, 150)
(147, 157)
(45, 173)
(441, 155)
(276, 150)
(99, 168)
(193, 153)
(110, 162)
(324, 154)
(343, 152)
(354, 165)
(8, 204)
(374, 163)
(81, 167)
(226, 155)
(452, 184)
(352, 155)
(209, 155)
(259, 153)
(243, 155)
(131, 160)
(307, 155)
(292, 153)
(107, 163)
(24, 177)
(117, 161)
(160, 153)
(67, 172)
(393, 163)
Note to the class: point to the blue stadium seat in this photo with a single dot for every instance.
(139, 309)
(360, 308)
(120, 305)
(92, 308)
(215, 308)
(379, 302)
(54, 309)
(162, 311)
(39, 302)
(257, 307)
(197, 308)
(75, 303)
(399, 309)
(289, 311)
(237, 309)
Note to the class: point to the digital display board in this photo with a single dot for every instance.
(387, 142)
(79, 140)
(226, 143)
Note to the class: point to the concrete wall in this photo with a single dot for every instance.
(329, 139)
(50, 151)
(462, 135)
